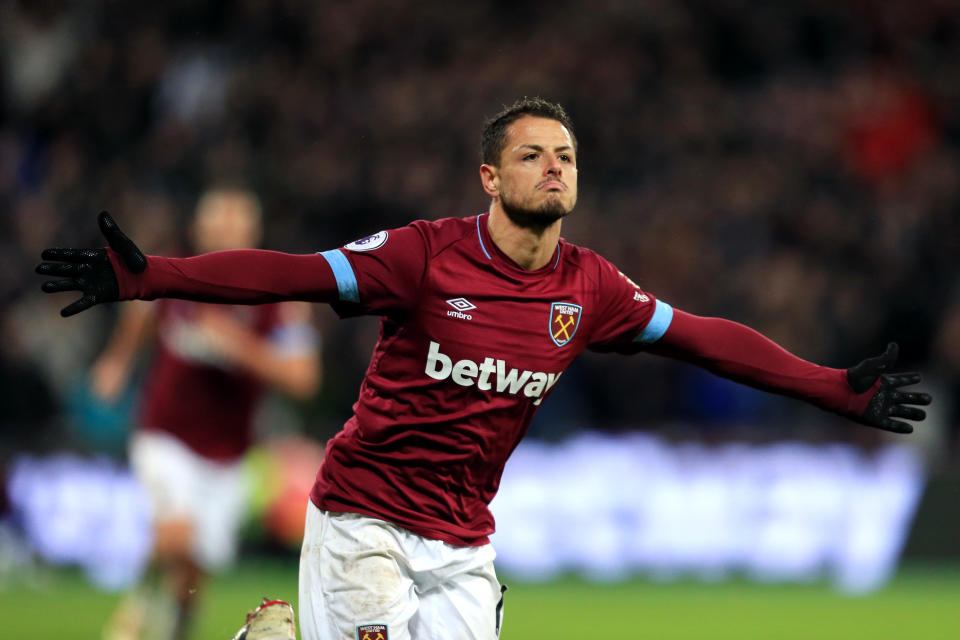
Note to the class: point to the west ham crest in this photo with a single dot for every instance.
(564, 320)
(372, 632)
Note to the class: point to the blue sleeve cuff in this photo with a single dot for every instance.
(658, 325)
(343, 272)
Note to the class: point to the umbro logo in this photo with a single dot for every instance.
(460, 305)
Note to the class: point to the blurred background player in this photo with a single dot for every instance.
(210, 368)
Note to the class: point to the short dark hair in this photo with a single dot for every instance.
(494, 136)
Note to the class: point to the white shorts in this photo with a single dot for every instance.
(184, 485)
(361, 578)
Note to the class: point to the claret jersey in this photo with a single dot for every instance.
(196, 396)
(470, 346)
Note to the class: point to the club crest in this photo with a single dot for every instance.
(372, 632)
(564, 320)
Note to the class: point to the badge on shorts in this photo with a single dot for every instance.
(564, 320)
(372, 632)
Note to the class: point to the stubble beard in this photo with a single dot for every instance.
(536, 219)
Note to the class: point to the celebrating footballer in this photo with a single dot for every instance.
(480, 317)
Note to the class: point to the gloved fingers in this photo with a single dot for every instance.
(56, 286)
(910, 413)
(63, 269)
(60, 254)
(895, 426)
(864, 375)
(909, 397)
(901, 379)
(82, 304)
(884, 361)
(131, 255)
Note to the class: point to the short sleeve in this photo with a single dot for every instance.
(380, 274)
(629, 318)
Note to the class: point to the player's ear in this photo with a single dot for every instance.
(490, 179)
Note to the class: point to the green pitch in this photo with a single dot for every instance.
(920, 604)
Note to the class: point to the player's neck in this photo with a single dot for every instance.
(529, 248)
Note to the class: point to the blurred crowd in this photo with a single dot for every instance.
(791, 165)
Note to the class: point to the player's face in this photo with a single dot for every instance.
(226, 221)
(538, 172)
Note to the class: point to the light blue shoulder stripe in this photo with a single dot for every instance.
(343, 272)
(658, 325)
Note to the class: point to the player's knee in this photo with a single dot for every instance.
(173, 539)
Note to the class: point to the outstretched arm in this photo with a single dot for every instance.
(239, 276)
(122, 272)
(866, 393)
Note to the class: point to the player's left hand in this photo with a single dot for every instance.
(89, 270)
(888, 402)
(223, 334)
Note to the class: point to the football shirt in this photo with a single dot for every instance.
(470, 346)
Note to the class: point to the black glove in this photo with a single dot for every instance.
(888, 402)
(89, 270)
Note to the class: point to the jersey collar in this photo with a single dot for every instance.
(502, 260)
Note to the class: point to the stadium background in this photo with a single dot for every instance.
(794, 166)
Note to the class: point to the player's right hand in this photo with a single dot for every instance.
(888, 401)
(89, 270)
